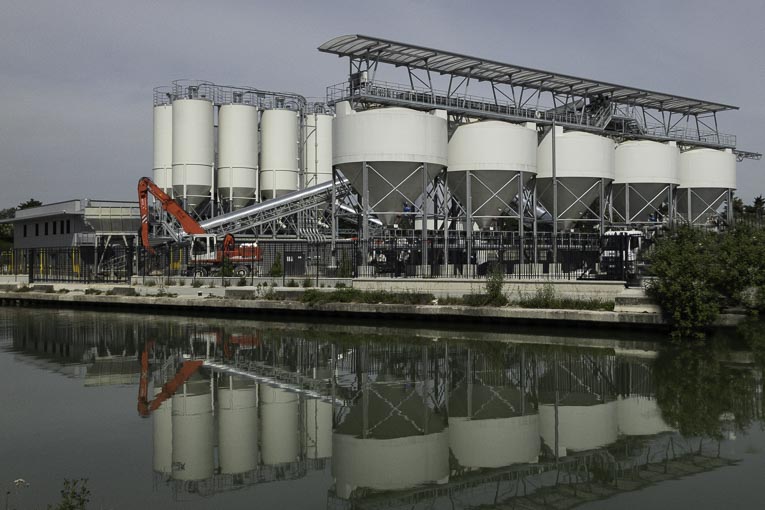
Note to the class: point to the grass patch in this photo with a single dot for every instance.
(90, 291)
(23, 288)
(315, 297)
(546, 298)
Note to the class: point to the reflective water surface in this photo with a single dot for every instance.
(162, 411)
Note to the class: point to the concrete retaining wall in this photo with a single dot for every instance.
(514, 290)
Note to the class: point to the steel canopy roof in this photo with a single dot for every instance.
(444, 62)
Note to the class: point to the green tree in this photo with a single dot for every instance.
(685, 267)
(29, 204)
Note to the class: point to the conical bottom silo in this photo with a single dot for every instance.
(237, 169)
(395, 143)
(193, 151)
(584, 170)
(646, 175)
(707, 179)
(162, 171)
(279, 156)
(318, 149)
(501, 159)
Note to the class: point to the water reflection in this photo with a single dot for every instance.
(405, 417)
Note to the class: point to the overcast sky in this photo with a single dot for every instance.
(76, 77)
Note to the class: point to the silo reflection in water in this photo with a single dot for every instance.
(193, 449)
(237, 425)
(280, 442)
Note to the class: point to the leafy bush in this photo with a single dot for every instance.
(687, 283)
(241, 282)
(495, 282)
(276, 268)
(196, 284)
(291, 283)
(307, 282)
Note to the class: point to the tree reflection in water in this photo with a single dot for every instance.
(704, 389)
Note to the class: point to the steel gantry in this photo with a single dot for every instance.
(472, 88)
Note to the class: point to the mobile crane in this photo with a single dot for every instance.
(206, 257)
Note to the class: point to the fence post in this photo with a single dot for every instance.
(31, 264)
(129, 254)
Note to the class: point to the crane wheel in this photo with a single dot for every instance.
(242, 271)
(200, 272)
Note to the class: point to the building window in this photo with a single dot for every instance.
(62, 227)
(54, 227)
(37, 229)
(68, 227)
(25, 230)
(46, 228)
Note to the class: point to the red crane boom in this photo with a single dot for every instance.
(188, 224)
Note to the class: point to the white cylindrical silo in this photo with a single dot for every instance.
(318, 429)
(279, 157)
(193, 151)
(706, 178)
(162, 171)
(584, 167)
(497, 442)
(162, 428)
(640, 416)
(646, 172)
(237, 425)
(579, 427)
(193, 441)
(389, 464)
(494, 153)
(394, 142)
(280, 440)
(237, 155)
(318, 149)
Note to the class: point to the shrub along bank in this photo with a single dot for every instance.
(699, 273)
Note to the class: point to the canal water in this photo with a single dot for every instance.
(190, 412)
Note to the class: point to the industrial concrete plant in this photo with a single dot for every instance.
(462, 165)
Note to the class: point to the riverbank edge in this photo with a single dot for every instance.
(286, 308)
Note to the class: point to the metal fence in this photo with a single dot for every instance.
(569, 256)
(79, 264)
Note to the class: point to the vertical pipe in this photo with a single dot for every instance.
(469, 382)
(424, 214)
(670, 205)
(469, 217)
(729, 216)
(365, 213)
(627, 217)
(445, 206)
(602, 208)
(534, 225)
(555, 198)
(521, 208)
(690, 214)
(333, 220)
